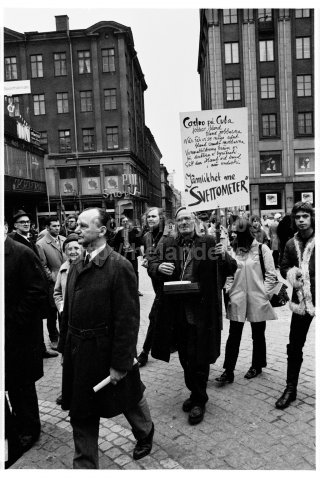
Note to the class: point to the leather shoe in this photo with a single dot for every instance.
(142, 359)
(48, 354)
(144, 446)
(196, 414)
(226, 377)
(288, 396)
(187, 405)
(252, 372)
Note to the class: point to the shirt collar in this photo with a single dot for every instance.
(96, 252)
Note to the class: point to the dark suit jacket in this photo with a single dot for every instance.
(25, 295)
(21, 239)
(103, 294)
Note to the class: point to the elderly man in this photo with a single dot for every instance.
(99, 331)
(298, 267)
(190, 320)
(52, 257)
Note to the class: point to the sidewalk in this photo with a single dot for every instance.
(242, 430)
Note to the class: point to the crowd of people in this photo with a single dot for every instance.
(196, 265)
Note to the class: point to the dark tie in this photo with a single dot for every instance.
(86, 260)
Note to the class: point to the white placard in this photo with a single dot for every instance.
(215, 158)
(18, 87)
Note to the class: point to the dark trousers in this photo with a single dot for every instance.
(149, 337)
(298, 333)
(275, 254)
(24, 402)
(195, 374)
(52, 323)
(86, 434)
(259, 354)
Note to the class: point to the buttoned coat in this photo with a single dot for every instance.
(52, 257)
(25, 291)
(249, 293)
(211, 272)
(103, 294)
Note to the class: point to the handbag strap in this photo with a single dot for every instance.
(262, 262)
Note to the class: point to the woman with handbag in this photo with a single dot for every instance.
(249, 299)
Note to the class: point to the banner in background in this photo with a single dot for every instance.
(215, 158)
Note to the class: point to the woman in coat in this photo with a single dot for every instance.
(249, 300)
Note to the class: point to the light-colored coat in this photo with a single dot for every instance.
(60, 286)
(51, 256)
(249, 294)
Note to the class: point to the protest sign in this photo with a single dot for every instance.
(215, 158)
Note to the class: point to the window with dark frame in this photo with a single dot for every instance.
(304, 86)
(269, 125)
(60, 64)
(303, 48)
(268, 87)
(84, 61)
(10, 68)
(266, 50)
(16, 103)
(302, 12)
(64, 141)
(36, 66)
(108, 60)
(233, 91)
(112, 138)
(86, 101)
(305, 123)
(88, 139)
(264, 14)
(231, 52)
(270, 163)
(110, 99)
(230, 16)
(62, 102)
(39, 106)
(44, 140)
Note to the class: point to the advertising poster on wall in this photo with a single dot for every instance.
(215, 158)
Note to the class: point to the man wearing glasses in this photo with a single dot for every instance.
(22, 226)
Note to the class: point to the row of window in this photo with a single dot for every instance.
(88, 139)
(268, 88)
(230, 15)
(60, 64)
(266, 50)
(86, 101)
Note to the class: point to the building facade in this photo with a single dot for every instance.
(87, 102)
(263, 59)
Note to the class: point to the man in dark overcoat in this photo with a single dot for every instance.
(25, 295)
(191, 321)
(98, 338)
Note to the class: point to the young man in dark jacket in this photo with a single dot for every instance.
(298, 266)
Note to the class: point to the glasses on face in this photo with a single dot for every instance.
(24, 222)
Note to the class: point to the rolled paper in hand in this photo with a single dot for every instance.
(107, 380)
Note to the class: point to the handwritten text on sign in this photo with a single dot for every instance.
(215, 158)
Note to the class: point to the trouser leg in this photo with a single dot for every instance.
(52, 324)
(233, 345)
(195, 374)
(259, 350)
(149, 337)
(139, 418)
(24, 403)
(85, 437)
(298, 333)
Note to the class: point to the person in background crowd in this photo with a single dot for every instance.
(249, 296)
(70, 225)
(285, 231)
(265, 224)
(224, 236)
(274, 240)
(25, 292)
(52, 257)
(259, 233)
(298, 267)
(22, 228)
(99, 330)
(127, 241)
(155, 221)
(190, 321)
(73, 250)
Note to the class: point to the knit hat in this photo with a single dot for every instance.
(73, 237)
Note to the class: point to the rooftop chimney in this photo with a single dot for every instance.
(62, 23)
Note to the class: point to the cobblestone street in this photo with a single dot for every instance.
(242, 430)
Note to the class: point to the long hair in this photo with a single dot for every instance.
(162, 217)
(245, 235)
(305, 207)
